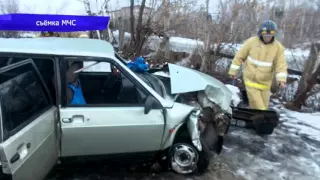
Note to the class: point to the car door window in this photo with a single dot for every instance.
(22, 98)
(101, 83)
(106, 103)
(28, 123)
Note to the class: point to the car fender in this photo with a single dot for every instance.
(193, 129)
(175, 118)
(170, 137)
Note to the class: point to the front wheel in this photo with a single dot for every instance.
(184, 158)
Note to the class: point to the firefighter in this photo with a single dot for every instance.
(263, 57)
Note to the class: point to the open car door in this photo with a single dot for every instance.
(28, 148)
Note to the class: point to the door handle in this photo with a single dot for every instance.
(67, 120)
(78, 119)
(15, 158)
(22, 152)
(74, 119)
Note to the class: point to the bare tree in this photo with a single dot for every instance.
(107, 33)
(121, 33)
(139, 32)
(7, 7)
(174, 19)
(300, 23)
(139, 27)
(310, 76)
(166, 25)
(102, 9)
(87, 6)
(132, 22)
(206, 56)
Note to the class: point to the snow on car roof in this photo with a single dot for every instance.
(58, 46)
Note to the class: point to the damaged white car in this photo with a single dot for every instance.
(203, 103)
(178, 116)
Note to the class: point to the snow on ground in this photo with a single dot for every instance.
(176, 44)
(293, 76)
(28, 35)
(292, 152)
(127, 35)
(235, 94)
(179, 44)
(305, 123)
(313, 102)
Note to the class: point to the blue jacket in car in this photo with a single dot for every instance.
(78, 97)
(138, 65)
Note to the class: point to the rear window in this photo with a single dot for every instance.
(22, 98)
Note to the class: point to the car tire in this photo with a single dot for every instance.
(184, 158)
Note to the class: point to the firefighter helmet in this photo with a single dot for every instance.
(268, 28)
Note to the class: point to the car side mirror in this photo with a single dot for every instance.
(148, 104)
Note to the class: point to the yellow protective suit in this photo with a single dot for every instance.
(261, 61)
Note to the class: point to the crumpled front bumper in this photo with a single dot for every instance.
(207, 128)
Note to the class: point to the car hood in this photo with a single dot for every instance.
(185, 80)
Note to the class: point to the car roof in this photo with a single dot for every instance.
(58, 46)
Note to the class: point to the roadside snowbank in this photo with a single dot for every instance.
(304, 123)
(292, 151)
(235, 94)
